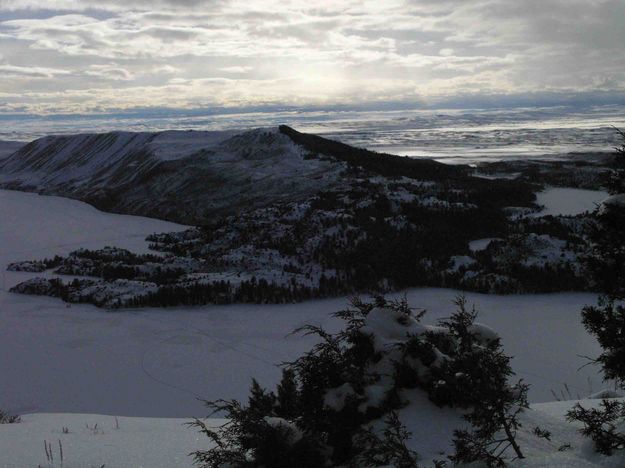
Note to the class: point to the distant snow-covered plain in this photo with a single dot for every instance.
(449, 135)
(157, 362)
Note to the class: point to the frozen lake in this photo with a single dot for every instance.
(55, 358)
(568, 201)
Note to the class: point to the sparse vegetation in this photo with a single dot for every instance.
(6, 418)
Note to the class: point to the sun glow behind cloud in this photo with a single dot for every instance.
(70, 56)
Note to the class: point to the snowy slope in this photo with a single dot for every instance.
(176, 175)
(7, 148)
(125, 442)
(432, 431)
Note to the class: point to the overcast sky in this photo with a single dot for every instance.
(82, 56)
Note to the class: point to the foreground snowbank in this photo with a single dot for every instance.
(94, 441)
(166, 443)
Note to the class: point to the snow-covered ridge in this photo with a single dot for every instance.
(7, 148)
(169, 174)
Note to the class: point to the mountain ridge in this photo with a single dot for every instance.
(188, 176)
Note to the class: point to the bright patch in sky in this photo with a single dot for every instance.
(110, 55)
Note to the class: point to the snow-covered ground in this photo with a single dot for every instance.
(9, 147)
(432, 430)
(94, 441)
(568, 201)
(481, 244)
(155, 363)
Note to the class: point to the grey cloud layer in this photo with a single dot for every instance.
(194, 53)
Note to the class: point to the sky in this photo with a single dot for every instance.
(101, 56)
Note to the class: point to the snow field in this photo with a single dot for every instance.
(149, 363)
(568, 201)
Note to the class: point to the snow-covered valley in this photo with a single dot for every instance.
(156, 363)
(106, 360)
(295, 216)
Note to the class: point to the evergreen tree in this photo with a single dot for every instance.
(477, 377)
(287, 402)
(602, 425)
(606, 320)
(386, 449)
(260, 400)
(325, 414)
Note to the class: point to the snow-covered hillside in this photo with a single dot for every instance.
(282, 216)
(7, 148)
(173, 174)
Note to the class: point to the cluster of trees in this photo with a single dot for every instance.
(223, 292)
(346, 241)
(170, 295)
(378, 163)
(115, 254)
(518, 279)
(369, 249)
(588, 173)
(322, 413)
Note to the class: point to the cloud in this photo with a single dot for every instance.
(30, 72)
(109, 72)
(165, 69)
(236, 69)
(113, 5)
(297, 51)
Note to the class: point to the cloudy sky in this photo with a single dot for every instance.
(84, 56)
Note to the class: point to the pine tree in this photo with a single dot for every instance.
(606, 320)
(323, 414)
(386, 449)
(600, 424)
(287, 402)
(477, 376)
(260, 400)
